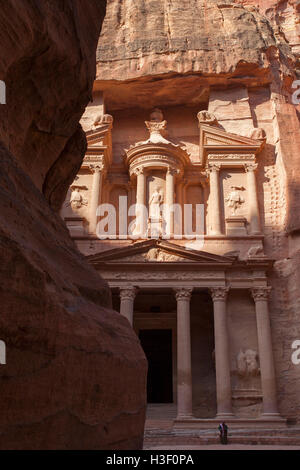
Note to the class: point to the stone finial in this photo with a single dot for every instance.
(258, 134)
(101, 119)
(256, 251)
(157, 115)
(205, 117)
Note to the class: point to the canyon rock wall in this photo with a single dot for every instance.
(75, 374)
(240, 60)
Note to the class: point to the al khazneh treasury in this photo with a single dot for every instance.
(213, 322)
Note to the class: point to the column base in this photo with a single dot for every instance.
(224, 416)
(272, 417)
(184, 416)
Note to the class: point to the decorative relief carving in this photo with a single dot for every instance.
(247, 363)
(77, 200)
(255, 251)
(155, 254)
(183, 293)
(261, 293)
(94, 159)
(155, 275)
(231, 156)
(219, 293)
(234, 199)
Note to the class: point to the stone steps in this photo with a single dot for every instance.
(156, 438)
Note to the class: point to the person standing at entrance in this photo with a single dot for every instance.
(223, 428)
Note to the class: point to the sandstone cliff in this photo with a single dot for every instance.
(75, 373)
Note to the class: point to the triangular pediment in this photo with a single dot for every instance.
(100, 142)
(98, 136)
(157, 251)
(214, 139)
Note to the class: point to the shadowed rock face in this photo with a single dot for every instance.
(75, 374)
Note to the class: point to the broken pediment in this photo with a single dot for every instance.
(217, 144)
(99, 139)
(155, 251)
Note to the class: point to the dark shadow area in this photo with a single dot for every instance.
(157, 345)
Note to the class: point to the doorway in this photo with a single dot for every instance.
(157, 345)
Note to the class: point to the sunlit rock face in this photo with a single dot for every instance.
(75, 372)
(239, 61)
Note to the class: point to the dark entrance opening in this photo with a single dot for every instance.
(157, 345)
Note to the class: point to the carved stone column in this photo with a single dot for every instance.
(267, 370)
(222, 357)
(141, 199)
(97, 170)
(170, 194)
(214, 199)
(184, 358)
(254, 218)
(127, 297)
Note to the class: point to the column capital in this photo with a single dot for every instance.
(250, 167)
(96, 167)
(219, 293)
(213, 167)
(261, 293)
(139, 171)
(172, 171)
(128, 293)
(183, 293)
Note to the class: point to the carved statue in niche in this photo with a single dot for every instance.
(155, 222)
(156, 199)
(77, 200)
(247, 363)
(235, 199)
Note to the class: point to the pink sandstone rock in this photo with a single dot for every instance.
(75, 374)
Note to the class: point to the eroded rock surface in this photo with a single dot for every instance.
(75, 374)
